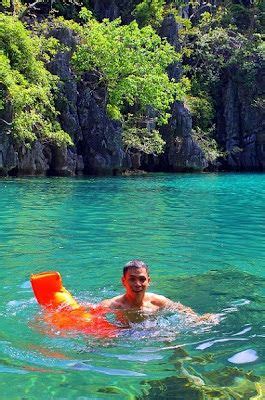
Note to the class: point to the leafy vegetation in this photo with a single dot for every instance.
(131, 63)
(150, 12)
(218, 44)
(27, 87)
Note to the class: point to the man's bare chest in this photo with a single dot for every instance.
(137, 314)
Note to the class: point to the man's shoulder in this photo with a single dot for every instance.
(158, 299)
(114, 302)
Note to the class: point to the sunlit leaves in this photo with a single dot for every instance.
(28, 86)
(149, 12)
(132, 63)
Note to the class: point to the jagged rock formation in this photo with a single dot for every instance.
(114, 8)
(98, 147)
(182, 153)
(97, 139)
(240, 121)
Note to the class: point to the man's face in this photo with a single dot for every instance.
(136, 280)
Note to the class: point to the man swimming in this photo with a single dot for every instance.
(136, 304)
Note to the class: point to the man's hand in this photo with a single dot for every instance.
(212, 319)
(208, 318)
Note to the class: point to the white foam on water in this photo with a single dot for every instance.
(244, 357)
(83, 366)
(247, 329)
(211, 343)
(25, 285)
(240, 302)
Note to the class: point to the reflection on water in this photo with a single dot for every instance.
(203, 237)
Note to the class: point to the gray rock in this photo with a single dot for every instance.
(182, 152)
(169, 30)
(240, 121)
(33, 161)
(106, 9)
(8, 155)
(66, 102)
(102, 144)
(63, 161)
(113, 9)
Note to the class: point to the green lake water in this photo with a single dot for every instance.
(203, 236)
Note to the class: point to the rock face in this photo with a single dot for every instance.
(169, 30)
(17, 159)
(98, 147)
(112, 9)
(97, 139)
(240, 121)
(101, 144)
(8, 155)
(181, 153)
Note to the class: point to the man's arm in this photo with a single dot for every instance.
(112, 304)
(165, 303)
(106, 303)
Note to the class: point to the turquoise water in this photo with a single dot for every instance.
(203, 237)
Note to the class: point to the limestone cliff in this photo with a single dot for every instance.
(240, 116)
(97, 139)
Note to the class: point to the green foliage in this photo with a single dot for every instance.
(140, 134)
(152, 12)
(28, 86)
(202, 110)
(142, 139)
(5, 3)
(220, 43)
(15, 7)
(132, 64)
(149, 12)
(67, 8)
(207, 143)
(216, 48)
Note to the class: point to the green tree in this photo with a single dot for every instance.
(132, 63)
(27, 86)
(149, 12)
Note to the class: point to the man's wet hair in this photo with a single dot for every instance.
(135, 264)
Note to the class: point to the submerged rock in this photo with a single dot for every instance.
(180, 388)
(215, 290)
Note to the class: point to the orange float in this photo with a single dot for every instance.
(63, 312)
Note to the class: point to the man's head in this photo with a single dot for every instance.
(135, 277)
(135, 264)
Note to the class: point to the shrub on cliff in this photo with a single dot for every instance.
(26, 86)
(149, 12)
(131, 63)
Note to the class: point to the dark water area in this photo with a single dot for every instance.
(204, 239)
